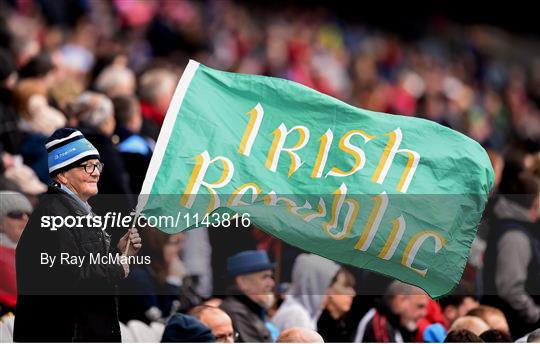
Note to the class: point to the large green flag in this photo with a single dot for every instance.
(397, 195)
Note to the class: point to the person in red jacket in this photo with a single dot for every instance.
(156, 89)
(446, 310)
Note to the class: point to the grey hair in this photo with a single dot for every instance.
(400, 288)
(92, 109)
(113, 76)
(154, 82)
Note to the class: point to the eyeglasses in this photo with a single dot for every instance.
(223, 338)
(17, 214)
(90, 168)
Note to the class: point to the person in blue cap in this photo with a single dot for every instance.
(251, 296)
(63, 295)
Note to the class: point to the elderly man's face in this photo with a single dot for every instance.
(258, 286)
(220, 324)
(410, 308)
(79, 181)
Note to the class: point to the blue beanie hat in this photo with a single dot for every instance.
(68, 148)
(183, 328)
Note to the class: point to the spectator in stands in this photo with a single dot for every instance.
(299, 335)
(96, 116)
(442, 314)
(462, 336)
(151, 291)
(312, 275)
(512, 259)
(38, 121)
(492, 316)
(79, 299)
(496, 336)
(434, 315)
(332, 324)
(251, 296)
(457, 305)
(14, 212)
(30, 99)
(63, 93)
(10, 136)
(470, 323)
(40, 67)
(156, 88)
(217, 321)
(197, 257)
(7, 161)
(394, 319)
(183, 328)
(27, 181)
(116, 80)
(135, 149)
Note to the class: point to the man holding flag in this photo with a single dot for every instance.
(60, 301)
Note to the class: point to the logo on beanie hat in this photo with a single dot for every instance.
(68, 148)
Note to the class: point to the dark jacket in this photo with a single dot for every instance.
(65, 302)
(380, 325)
(512, 267)
(247, 318)
(136, 152)
(141, 291)
(11, 137)
(334, 330)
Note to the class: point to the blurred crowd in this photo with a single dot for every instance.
(109, 68)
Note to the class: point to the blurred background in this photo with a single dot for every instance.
(110, 68)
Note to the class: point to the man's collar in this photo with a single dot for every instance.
(84, 204)
(252, 305)
(385, 309)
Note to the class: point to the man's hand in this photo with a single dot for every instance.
(135, 242)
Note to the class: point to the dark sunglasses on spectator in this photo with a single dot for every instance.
(90, 168)
(17, 214)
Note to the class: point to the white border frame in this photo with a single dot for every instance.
(165, 134)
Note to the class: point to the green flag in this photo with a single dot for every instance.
(397, 195)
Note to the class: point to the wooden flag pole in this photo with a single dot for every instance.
(126, 250)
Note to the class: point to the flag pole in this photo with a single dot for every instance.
(126, 250)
